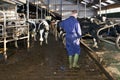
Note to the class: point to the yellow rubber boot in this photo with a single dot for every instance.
(75, 61)
(70, 62)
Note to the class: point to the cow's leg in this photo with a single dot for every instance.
(56, 34)
(41, 36)
(64, 39)
(60, 34)
(16, 44)
(16, 38)
(34, 34)
(64, 42)
(46, 37)
(95, 43)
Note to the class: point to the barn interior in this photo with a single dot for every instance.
(26, 57)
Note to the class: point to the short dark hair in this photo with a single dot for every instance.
(74, 11)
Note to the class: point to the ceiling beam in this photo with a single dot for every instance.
(63, 4)
(111, 6)
(65, 10)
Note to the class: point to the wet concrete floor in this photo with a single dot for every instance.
(47, 62)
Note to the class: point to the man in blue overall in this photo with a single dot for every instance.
(73, 34)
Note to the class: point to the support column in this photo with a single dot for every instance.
(48, 7)
(85, 9)
(28, 40)
(5, 35)
(78, 4)
(61, 8)
(100, 7)
(41, 11)
(37, 10)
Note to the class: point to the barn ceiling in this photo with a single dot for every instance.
(90, 3)
(95, 3)
(67, 5)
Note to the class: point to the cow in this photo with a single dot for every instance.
(57, 31)
(32, 29)
(43, 30)
(110, 33)
(40, 28)
(90, 27)
(100, 28)
(13, 33)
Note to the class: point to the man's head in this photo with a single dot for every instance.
(74, 13)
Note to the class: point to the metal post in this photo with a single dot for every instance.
(41, 10)
(16, 45)
(27, 9)
(78, 6)
(28, 44)
(16, 12)
(100, 7)
(48, 7)
(106, 13)
(55, 5)
(37, 10)
(61, 8)
(85, 9)
(45, 13)
(4, 34)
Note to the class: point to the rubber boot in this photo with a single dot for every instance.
(75, 61)
(70, 62)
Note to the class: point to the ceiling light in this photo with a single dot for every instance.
(39, 2)
(95, 7)
(83, 2)
(57, 9)
(104, 4)
(110, 1)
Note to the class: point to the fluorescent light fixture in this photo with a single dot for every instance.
(83, 2)
(110, 1)
(104, 4)
(57, 9)
(39, 2)
(95, 7)
(88, 1)
(50, 5)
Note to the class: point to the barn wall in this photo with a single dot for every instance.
(66, 9)
(89, 11)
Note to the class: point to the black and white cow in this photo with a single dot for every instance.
(40, 28)
(43, 30)
(14, 33)
(32, 29)
(105, 27)
(90, 26)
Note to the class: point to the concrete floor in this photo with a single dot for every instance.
(47, 62)
(110, 56)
